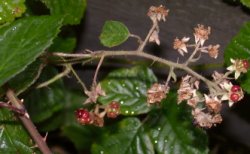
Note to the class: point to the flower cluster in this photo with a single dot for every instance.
(158, 13)
(238, 66)
(157, 93)
(200, 35)
(206, 106)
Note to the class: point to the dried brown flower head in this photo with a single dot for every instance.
(157, 13)
(213, 50)
(180, 45)
(187, 89)
(201, 34)
(213, 104)
(157, 93)
(205, 120)
(95, 92)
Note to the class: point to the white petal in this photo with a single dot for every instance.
(224, 97)
(230, 103)
(185, 39)
(237, 74)
(202, 41)
(228, 86)
(184, 49)
(181, 52)
(196, 39)
(231, 68)
(206, 97)
(232, 60)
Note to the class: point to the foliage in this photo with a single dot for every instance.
(114, 33)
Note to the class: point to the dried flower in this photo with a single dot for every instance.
(213, 104)
(187, 89)
(219, 78)
(239, 66)
(154, 37)
(201, 34)
(95, 92)
(213, 50)
(157, 93)
(180, 45)
(157, 13)
(97, 120)
(193, 101)
(205, 120)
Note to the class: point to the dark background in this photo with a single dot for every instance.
(225, 20)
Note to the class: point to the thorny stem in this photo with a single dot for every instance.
(55, 78)
(28, 124)
(98, 54)
(154, 26)
(97, 70)
(12, 108)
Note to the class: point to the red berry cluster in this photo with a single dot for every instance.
(83, 116)
(235, 90)
(113, 109)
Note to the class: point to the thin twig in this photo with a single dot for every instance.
(78, 78)
(97, 70)
(55, 78)
(193, 54)
(28, 124)
(154, 26)
(137, 37)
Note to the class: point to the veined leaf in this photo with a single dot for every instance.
(128, 137)
(72, 11)
(113, 33)
(129, 88)
(23, 41)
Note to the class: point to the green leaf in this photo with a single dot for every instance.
(171, 130)
(13, 137)
(129, 87)
(43, 103)
(81, 136)
(23, 41)
(246, 3)
(63, 45)
(127, 137)
(10, 9)
(72, 100)
(113, 33)
(72, 11)
(25, 79)
(239, 48)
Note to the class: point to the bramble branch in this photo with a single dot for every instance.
(28, 124)
(101, 53)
